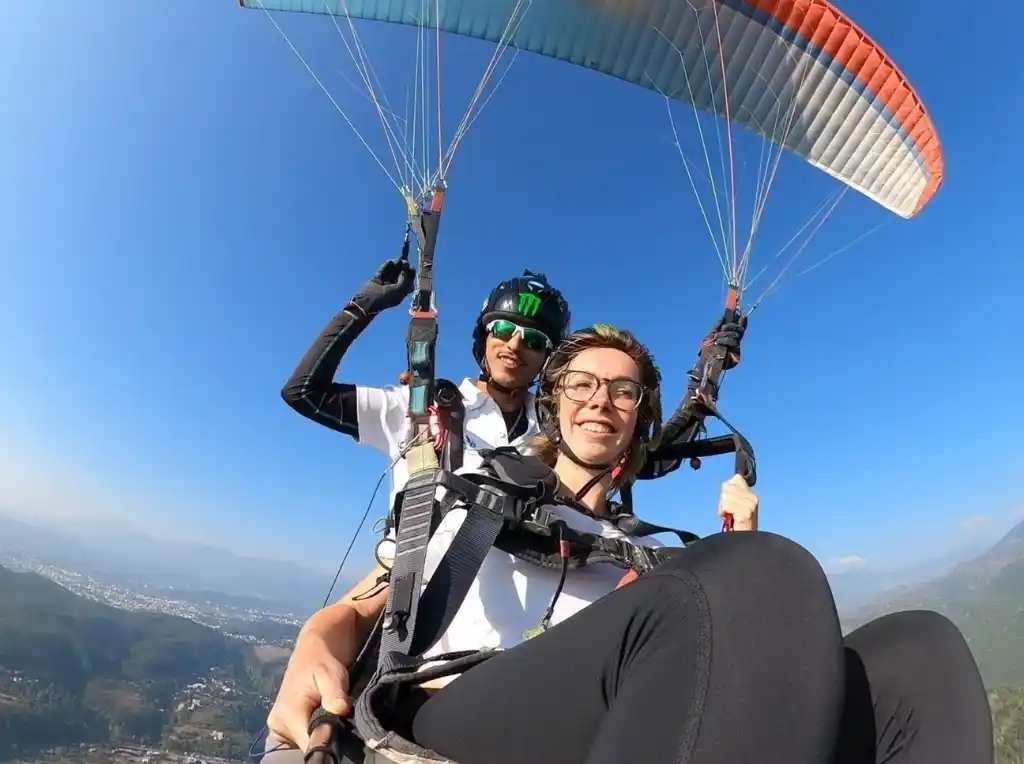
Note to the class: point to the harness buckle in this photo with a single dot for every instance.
(539, 520)
(644, 558)
(508, 508)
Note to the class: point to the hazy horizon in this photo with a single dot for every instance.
(979, 532)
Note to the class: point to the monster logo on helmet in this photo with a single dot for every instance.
(529, 304)
(528, 300)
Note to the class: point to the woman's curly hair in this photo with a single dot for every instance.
(647, 434)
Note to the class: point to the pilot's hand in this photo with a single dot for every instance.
(728, 335)
(392, 283)
(739, 501)
(314, 677)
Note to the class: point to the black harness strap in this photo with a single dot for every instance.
(415, 616)
(404, 634)
(514, 498)
(413, 533)
(632, 525)
(488, 512)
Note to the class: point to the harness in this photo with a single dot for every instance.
(507, 505)
(511, 471)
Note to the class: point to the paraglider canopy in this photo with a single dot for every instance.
(800, 73)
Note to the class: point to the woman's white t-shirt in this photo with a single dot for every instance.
(510, 596)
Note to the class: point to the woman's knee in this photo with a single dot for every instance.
(762, 568)
(773, 640)
(914, 672)
(909, 630)
(762, 593)
(914, 639)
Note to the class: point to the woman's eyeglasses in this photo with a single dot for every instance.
(505, 330)
(581, 386)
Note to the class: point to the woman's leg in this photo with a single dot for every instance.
(913, 695)
(730, 653)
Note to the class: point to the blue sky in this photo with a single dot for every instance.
(181, 210)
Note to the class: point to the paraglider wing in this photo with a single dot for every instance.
(851, 112)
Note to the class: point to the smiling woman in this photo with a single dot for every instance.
(600, 409)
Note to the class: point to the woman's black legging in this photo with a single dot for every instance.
(731, 653)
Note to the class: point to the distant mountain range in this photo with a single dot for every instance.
(857, 588)
(109, 552)
(984, 596)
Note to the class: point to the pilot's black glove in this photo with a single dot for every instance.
(725, 334)
(729, 334)
(389, 286)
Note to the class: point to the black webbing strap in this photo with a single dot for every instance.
(415, 616)
(458, 568)
(632, 525)
(414, 621)
(491, 505)
(601, 549)
(411, 538)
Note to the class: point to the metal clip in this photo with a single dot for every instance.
(540, 521)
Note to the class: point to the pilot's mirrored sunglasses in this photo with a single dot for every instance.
(505, 330)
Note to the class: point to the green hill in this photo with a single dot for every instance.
(76, 671)
(51, 634)
(1007, 705)
(984, 598)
